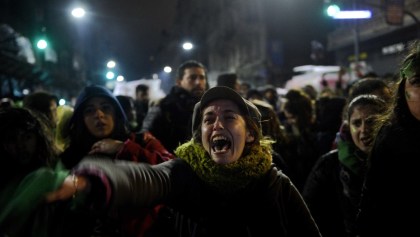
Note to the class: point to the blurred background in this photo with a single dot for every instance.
(61, 46)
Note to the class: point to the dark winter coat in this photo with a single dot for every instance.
(269, 206)
(390, 199)
(332, 193)
(170, 120)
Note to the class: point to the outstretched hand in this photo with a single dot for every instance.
(70, 187)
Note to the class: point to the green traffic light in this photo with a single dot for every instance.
(332, 10)
(42, 44)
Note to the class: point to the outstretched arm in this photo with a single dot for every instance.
(128, 185)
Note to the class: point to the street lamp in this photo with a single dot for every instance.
(361, 14)
(111, 64)
(332, 10)
(335, 12)
(187, 46)
(78, 12)
(120, 78)
(167, 69)
(42, 44)
(110, 75)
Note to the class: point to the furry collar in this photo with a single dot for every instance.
(231, 177)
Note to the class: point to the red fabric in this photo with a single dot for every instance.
(153, 152)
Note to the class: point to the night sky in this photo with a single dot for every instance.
(134, 31)
(130, 31)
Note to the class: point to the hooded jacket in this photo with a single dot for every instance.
(137, 147)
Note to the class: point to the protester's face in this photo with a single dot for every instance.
(99, 117)
(224, 131)
(361, 126)
(412, 95)
(194, 81)
(142, 96)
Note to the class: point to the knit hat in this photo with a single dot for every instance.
(222, 92)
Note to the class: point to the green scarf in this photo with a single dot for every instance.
(349, 157)
(231, 177)
(409, 68)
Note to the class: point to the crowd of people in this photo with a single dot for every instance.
(230, 160)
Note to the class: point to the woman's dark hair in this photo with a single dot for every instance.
(13, 120)
(398, 111)
(300, 105)
(41, 101)
(367, 86)
(378, 104)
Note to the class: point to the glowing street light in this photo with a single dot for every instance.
(332, 10)
(335, 12)
(362, 14)
(78, 12)
(42, 44)
(62, 101)
(167, 69)
(110, 64)
(120, 78)
(110, 75)
(187, 46)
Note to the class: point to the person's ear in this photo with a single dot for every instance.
(249, 137)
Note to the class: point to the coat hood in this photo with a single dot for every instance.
(95, 91)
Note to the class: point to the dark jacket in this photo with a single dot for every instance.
(304, 154)
(332, 192)
(270, 205)
(140, 147)
(390, 199)
(170, 120)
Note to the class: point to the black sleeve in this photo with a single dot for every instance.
(137, 185)
(149, 122)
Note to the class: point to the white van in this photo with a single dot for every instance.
(316, 76)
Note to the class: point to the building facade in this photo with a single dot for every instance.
(380, 45)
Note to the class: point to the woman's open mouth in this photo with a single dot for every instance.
(220, 144)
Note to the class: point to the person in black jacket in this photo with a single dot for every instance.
(390, 201)
(170, 119)
(223, 183)
(333, 188)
